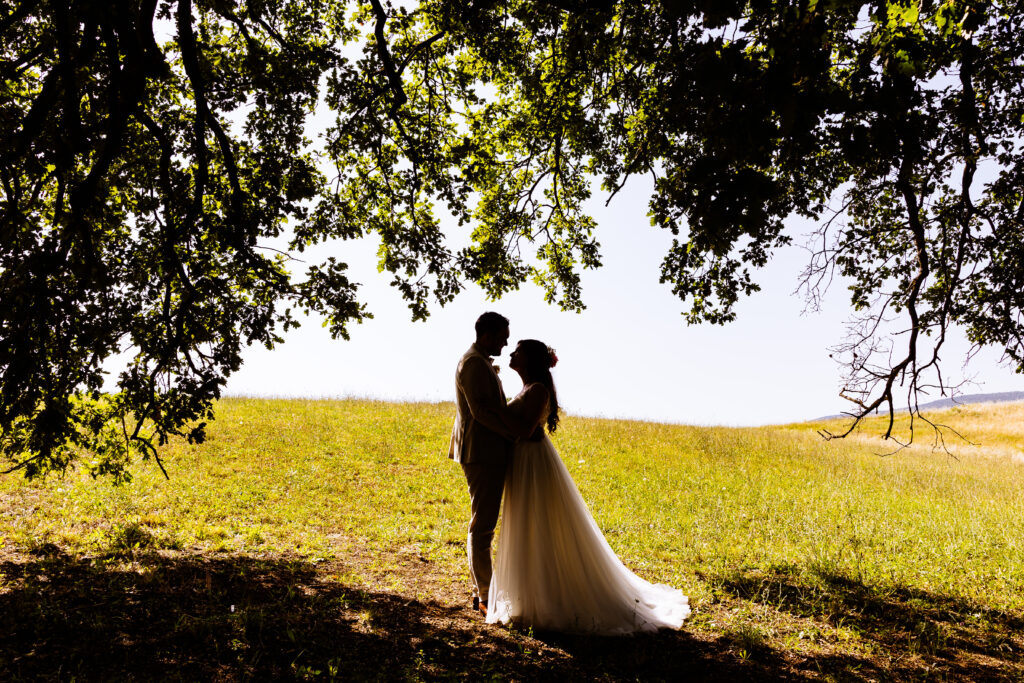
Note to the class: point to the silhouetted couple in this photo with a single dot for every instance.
(555, 570)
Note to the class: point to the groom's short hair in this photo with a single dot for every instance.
(490, 323)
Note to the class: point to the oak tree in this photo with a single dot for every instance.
(158, 172)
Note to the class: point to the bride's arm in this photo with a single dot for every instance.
(523, 415)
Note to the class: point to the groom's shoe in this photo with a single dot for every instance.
(476, 603)
(480, 605)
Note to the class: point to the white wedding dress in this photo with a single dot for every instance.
(555, 570)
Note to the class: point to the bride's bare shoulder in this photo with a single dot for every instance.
(535, 397)
(535, 389)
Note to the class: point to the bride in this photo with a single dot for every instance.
(555, 570)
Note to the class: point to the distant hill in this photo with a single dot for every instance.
(999, 397)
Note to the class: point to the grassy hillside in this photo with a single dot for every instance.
(319, 539)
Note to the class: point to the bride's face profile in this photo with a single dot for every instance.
(516, 361)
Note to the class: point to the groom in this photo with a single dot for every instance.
(481, 444)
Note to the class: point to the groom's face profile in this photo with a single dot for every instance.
(492, 343)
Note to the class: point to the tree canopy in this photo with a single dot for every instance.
(158, 172)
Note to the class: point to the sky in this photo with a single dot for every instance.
(630, 354)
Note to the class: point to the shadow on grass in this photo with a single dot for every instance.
(955, 637)
(194, 618)
(675, 656)
(186, 617)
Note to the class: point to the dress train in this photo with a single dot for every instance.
(554, 568)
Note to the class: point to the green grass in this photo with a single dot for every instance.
(326, 522)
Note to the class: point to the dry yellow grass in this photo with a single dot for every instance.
(985, 430)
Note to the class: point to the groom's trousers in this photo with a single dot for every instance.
(486, 483)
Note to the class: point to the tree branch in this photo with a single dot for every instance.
(394, 77)
(190, 60)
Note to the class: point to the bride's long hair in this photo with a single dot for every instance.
(540, 358)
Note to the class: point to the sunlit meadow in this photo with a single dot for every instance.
(784, 542)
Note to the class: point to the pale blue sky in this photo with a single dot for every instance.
(630, 354)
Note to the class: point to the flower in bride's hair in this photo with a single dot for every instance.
(552, 358)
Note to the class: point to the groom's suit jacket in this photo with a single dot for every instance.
(478, 435)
